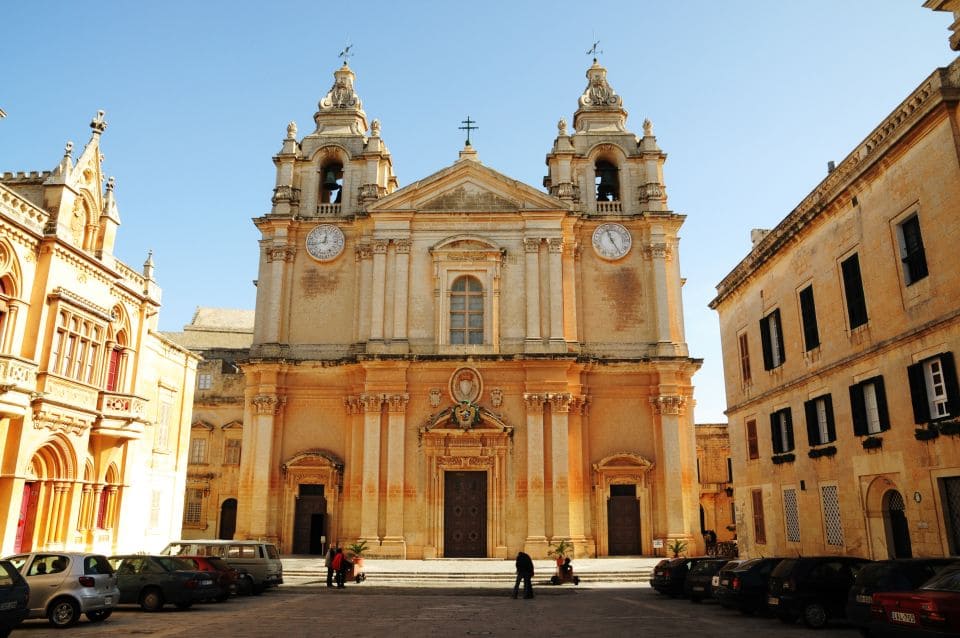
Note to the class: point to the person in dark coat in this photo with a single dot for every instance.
(328, 563)
(524, 572)
(340, 565)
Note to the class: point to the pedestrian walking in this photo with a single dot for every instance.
(328, 563)
(524, 572)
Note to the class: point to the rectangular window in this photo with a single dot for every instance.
(950, 497)
(933, 388)
(791, 515)
(781, 431)
(820, 426)
(808, 315)
(771, 338)
(231, 452)
(853, 290)
(753, 447)
(912, 256)
(193, 507)
(198, 451)
(831, 514)
(744, 358)
(162, 434)
(155, 509)
(204, 381)
(868, 404)
(759, 528)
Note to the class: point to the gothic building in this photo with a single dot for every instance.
(469, 366)
(94, 402)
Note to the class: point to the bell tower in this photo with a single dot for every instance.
(602, 167)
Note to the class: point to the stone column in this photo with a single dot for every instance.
(397, 415)
(659, 253)
(667, 410)
(277, 256)
(570, 257)
(370, 503)
(555, 248)
(379, 289)
(536, 543)
(560, 488)
(258, 451)
(363, 252)
(579, 491)
(531, 247)
(400, 291)
(353, 472)
(10, 329)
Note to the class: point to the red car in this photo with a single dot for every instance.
(931, 610)
(226, 577)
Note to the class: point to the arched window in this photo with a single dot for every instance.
(466, 311)
(331, 183)
(608, 184)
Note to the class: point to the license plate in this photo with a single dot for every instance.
(864, 599)
(724, 582)
(658, 573)
(904, 617)
(715, 581)
(206, 583)
(697, 588)
(773, 601)
(10, 605)
(108, 600)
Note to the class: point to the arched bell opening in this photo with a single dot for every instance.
(607, 181)
(331, 183)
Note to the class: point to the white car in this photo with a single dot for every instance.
(64, 585)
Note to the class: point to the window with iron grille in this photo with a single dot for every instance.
(808, 315)
(193, 507)
(853, 290)
(759, 528)
(753, 447)
(950, 495)
(831, 514)
(791, 515)
(744, 347)
(912, 255)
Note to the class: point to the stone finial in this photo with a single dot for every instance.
(375, 128)
(292, 130)
(111, 181)
(562, 127)
(341, 95)
(647, 128)
(148, 267)
(98, 124)
(599, 93)
(68, 149)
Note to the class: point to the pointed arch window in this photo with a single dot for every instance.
(466, 311)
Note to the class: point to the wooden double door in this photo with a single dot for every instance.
(465, 514)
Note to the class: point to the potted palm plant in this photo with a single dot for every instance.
(356, 549)
(677, 546)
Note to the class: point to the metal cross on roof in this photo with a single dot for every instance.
(346, 54)
(594, 50)
(469, 127)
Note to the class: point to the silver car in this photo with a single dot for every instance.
(64, 585)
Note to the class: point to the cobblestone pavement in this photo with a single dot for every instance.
(294, 611)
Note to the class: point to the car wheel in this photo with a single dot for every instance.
(183, 606)
(245, 586)
(222, 598)
(99, 615)
(814, 616)
(151, 600)
(63, 613)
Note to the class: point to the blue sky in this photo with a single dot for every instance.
(748, 99)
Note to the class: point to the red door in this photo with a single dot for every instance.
(28, 514)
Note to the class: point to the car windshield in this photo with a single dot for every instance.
(172, 564)
(948, 580)
(272, 552)
(747, 564)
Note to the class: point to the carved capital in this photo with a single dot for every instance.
(268, 404)
(369, 192)
(371, 402)
(352, 404)
(380, 246)
(566, 190)
(534, 402)
(280, 253)
(402, 245)
(531, 244)
(398, 402)
(555, 244)
(363, 250)
(579, 403)
(286, 193)
(672, 404)
(657, 251)
(560, 401)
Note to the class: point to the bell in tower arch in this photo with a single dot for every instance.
(331, 188)
(608, 184)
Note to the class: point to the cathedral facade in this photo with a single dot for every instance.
(469, 366)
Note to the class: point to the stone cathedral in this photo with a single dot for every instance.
(469, 366)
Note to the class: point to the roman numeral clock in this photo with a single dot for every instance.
(325, 242)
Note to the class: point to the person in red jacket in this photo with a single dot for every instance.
(340, 565)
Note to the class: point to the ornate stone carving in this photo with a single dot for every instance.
(402, 246)
(579, 403)
(566, 190)
(435, 397)
(496, 397)
(380, 246)
(398, 402)
(268, 404)
(672, 404)
(286, 194)
(647, 128)
(560, 402)
(651, 191)
(534, 401)
(599, 93)
(657, 251)
(57, 422)
(375, 128)
(555, 245)
(280, 253)
(341, 95)
(292, 130)
(370, 192)
(363, 250)
(531, 244)
(466, 385)
(371, 402)
(352, 404)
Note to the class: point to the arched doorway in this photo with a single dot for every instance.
(895, 525)
(47, 496)
(228, 519)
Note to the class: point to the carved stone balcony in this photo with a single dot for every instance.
(328, 210)
(121, 415)
(609, 207)
(18, 379)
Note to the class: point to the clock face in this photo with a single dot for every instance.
(612, 241)
(325, 242)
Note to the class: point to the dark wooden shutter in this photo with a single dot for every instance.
(759, 525)
(914, 256)
(918, 393)
(808, 313)
(950, 380)
(778, 326)
(775, 433)
(813, 432)
(858, 408)
(881, 403)
(765, 343)
(831, 428)
(753, 447)
(789, 416)
(853, 289)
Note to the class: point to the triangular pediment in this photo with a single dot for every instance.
(467, 187)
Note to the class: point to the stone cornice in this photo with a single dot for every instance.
(941, 86)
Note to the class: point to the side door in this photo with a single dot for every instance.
(128, 577)
(45, 573)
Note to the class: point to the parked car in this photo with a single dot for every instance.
(902, 574)
(699, 581)
(14, 598)
(227, 578)
(744, 586)
(64, 585)
(154, 581)
(259, 559)
(931, 610)
(814, 588)
(669, 575)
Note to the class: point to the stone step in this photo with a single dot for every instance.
(632, 576)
